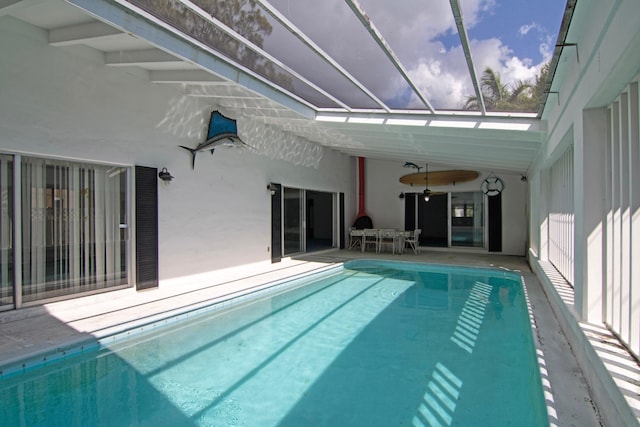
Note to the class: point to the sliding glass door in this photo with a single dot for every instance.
(6, 231)
(293, 223)
(74, 227)
(450, 219)
(308, 220)
(319, 230)
(467, 219)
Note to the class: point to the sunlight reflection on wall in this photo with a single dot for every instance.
(186, 119)
(278, 145)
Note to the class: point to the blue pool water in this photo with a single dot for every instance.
(377, 344)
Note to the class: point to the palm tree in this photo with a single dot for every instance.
(521, 96)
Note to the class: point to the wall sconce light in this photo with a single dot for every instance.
(272, 189)
(164, 175)
(401, 196)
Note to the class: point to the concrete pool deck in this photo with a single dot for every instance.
(42, 331)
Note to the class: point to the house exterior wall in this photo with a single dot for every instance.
(64, 102)
(587, 82)
(593, 113)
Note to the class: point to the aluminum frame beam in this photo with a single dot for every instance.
(377, 36)
(464, 41)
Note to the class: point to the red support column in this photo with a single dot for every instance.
(361, 210)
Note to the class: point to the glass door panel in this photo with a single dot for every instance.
(293, 221)
(467, 219)
(319, 214)
(6, 230)
(73, 228)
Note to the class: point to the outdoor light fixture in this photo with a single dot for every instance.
(272, 188)
(426, 193)
(164, 175)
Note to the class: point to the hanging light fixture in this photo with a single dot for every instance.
(426, 193)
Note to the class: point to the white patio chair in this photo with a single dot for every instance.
(402, 237)
(355, 237)
(387, 236)
(413, 241)
(371, 237)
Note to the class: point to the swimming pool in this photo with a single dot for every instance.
(377, 343)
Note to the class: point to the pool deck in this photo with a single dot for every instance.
(49, 329)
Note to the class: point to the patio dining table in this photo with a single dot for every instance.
(379, 237)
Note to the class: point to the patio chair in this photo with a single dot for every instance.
(401, 237)
(355, 237)
(371, 237)
(387, 236)
(413, 241)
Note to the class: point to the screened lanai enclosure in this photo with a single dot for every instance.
(543, 95)
(281, 42)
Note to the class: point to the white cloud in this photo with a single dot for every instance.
(444, 89)
(544, 38)
(524, 29)
(493, 53)
(443, 78)
(546, 47)
(446, 81)
(472, 11)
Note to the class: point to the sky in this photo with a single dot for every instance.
(513, 37)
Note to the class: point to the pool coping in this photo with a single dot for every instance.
(599, 353)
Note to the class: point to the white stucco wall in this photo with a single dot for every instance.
(608, 59)
(591, 77)
(64, 102)
(386, 209)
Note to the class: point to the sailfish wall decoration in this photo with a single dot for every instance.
(223, 132)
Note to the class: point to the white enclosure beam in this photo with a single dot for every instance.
(464, 40)
(82, 33)
(377, 36)
(318, 50)
(140, 58)
(252, 46)
(158, 33)
(188, 77)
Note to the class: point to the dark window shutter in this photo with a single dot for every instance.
(409, 211)
(433, 220)
(146, 227)
(276, 223)
(495, 223)
(342, 223)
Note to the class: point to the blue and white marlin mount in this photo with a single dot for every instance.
(223, 132)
